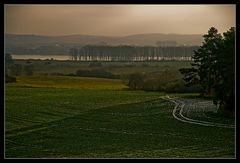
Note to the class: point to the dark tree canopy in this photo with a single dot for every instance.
(214, 67)
(136, 81)
(8, 59)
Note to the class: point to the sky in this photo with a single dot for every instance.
(117, 20)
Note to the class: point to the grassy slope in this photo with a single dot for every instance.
(68, 121)
(69, 82)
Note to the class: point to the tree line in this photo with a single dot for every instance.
(131, 53)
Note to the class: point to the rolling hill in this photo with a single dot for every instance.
(22, 43)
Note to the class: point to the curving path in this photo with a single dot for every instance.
(178, 114)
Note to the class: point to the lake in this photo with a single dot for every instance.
(42, 57)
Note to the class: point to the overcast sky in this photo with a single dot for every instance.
(117, 20)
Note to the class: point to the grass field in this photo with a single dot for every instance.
(69, 82)
(73, 117)
(66, 67)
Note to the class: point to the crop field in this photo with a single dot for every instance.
(76, 117)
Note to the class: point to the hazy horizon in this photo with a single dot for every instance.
(100, 35)
(117, 20)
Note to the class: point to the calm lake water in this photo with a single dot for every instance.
(43, 57)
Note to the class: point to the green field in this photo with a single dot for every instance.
(46, 67)
(69, 82)
(73, 117)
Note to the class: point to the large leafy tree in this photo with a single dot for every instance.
(225, 75)
(205, 59)
(214, 67)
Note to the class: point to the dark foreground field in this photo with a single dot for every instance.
(65, 117)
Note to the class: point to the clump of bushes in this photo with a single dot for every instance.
(29, 70)
(136, 81)
(17, 70)
(145, 65)
(56, 74)
(98, 73)
(10, 79)
(160, 82)
(179, 86)
(130, 65)
(95, 64)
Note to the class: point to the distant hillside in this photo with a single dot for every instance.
(151, 39)
(21, 43)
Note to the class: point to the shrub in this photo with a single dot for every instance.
(98, 73)
(95, 64)
(151, 85)
(10, 79)
(136, 81)
(56, 74)
(16, 69)
(29, 70)
(179, 86)
(130, 65)
(145, 65)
